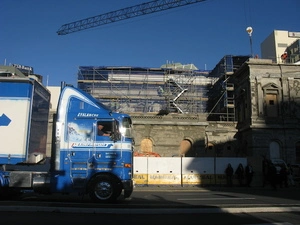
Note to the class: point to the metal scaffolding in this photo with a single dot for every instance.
(221, 104)
(172, 88)
(169, 89)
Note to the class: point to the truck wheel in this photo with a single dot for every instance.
(104, 188)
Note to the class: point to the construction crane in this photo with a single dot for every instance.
(123, 14)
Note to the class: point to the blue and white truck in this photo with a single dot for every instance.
(81, 161)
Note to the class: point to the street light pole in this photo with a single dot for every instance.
(249, 31)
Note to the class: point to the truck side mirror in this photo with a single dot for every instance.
(115, 136)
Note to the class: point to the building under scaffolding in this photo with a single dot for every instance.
(172, 88)
(221, 104)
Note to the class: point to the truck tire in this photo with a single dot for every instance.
(104, 188)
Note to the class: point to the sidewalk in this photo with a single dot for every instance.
(289, 192)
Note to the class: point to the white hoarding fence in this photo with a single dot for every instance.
(182, 170)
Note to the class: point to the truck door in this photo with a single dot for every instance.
(80, 152)
(107, 145)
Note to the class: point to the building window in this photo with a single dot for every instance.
(274, 150)
(282, 45)
(271, 105)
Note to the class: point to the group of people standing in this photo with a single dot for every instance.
(275, 175)
(280, 175)
(244, 175)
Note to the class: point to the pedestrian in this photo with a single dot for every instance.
(290, 174)
(240, 173)
(249, 174)
(272, 175)
(229, 175)
(265, 170)
(283, 173)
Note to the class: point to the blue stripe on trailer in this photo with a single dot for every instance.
(12, 90)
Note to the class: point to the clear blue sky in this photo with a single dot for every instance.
(200, 34)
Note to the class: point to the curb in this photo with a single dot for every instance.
(272, 209)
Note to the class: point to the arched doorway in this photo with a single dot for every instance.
(185, 147)
(147, 145)
(274, 149)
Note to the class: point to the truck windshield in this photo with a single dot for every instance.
(126, 127)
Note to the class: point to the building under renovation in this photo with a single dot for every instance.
(172, 88)
(221, 103)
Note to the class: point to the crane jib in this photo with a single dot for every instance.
(123, 14)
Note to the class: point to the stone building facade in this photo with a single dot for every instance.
(267, 98)
(187, 135)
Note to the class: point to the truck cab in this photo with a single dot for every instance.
(87, 158)
(84, 158)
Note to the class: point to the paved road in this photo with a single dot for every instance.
(176, 205)
(231, 199)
